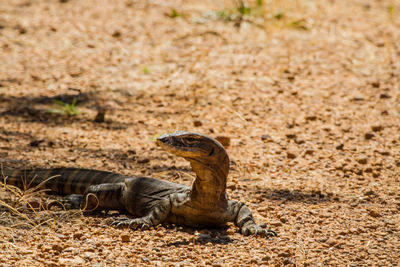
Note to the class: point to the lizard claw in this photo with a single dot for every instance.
(131, 223)
(254, 229)
(68, 202)
(121, 222)
(245, 231)
(138, 223)
(270, 233)
(145, 226)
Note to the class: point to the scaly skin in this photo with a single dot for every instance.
(151, 200)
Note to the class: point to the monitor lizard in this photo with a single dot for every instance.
(152, 201)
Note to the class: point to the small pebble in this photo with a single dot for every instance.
(77, 235)
(369, 136)
(265, 137)
(57, 247)
(291, 155)
(309, 152)
(224, 140)
(358, 98)
(125, 238)
(377, 128)
(384, 96)
(100, 116)
(374, 213)
(339, 146)
(144, 160)
(275, 223)
(197, 123)
(311, 118)
(291, 136)
(331, 242)
(362, 160)
(375, 84)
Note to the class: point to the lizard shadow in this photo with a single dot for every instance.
(206, 235)
(202, 241)
(286, 195)
(216, 236)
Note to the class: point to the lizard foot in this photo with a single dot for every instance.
(258, 231)
(137, 223)
(69, 202)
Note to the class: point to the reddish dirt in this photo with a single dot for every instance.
(309, 99)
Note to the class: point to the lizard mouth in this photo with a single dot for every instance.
(187, 145)
(170, 141)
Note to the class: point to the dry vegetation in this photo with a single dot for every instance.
(307, 91)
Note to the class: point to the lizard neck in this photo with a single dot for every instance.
(208, 189)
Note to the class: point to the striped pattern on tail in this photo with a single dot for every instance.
(63, 181)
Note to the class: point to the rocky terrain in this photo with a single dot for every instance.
(306, 92)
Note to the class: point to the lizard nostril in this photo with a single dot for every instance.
(211, 152)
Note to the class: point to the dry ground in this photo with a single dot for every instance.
(309, 97)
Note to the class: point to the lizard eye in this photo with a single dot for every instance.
(189, 141)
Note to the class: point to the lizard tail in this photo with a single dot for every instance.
(63, 181)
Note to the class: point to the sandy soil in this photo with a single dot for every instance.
(309, 98)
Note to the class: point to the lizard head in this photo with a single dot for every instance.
(193, 146)
(209, 161)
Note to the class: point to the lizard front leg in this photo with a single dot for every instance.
(95, 197)
(103, 197)
(157, 215)
(243, 218)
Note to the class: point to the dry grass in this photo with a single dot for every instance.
(25, 205)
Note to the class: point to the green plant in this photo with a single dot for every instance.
(258, 13)
(278, 15)
(175, 14)
(241, 12)
(299, 24)
(391, 9)
(65, 108)
(226, 15)
(146, 70)
(243, 8)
